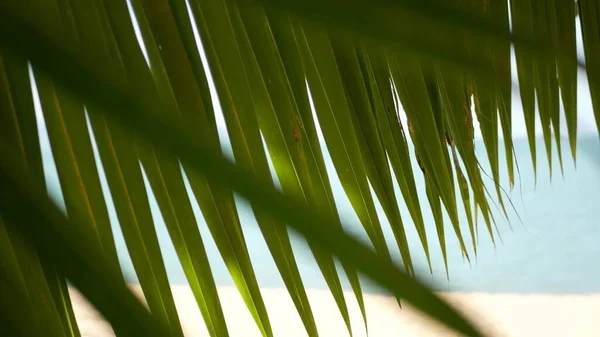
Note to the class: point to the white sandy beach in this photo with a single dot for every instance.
(497, 314)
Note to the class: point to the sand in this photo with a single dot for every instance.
(497, 314)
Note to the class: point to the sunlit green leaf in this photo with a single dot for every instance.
(282, 129)
(416, 98)
(316, 174)
(393, 137)
(217, 28)
(175, 138)
(369, 140)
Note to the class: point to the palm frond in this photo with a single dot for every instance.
(132, 78)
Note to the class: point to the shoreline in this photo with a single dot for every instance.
(498, 315)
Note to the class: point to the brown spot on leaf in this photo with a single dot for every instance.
(449, 139)
(411, 130)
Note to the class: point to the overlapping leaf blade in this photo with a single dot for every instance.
(501, 59)
(567, 69)
(522, 23)
(232, 83)
(492, 100)
(120, 161)
(165, 175)
(335, 120)
(188, 82)
(66, 247)
(413, 82)
(545, 77)
(77, 172)
(20, 131)
(458, 116)
(19, 263)
(287, 213)
(392, 135)
(433, 115)
(283, 131)
(316, 174)
(27, 314)
(465, 196)
(433, 89)
(373, 156)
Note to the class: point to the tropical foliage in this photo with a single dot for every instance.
(126, 79)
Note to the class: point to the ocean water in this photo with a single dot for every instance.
(550, 245)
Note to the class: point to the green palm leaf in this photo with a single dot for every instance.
(292, 213)
(138, 67)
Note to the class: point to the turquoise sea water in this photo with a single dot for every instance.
(556, 248)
